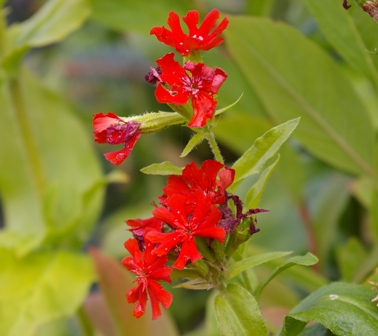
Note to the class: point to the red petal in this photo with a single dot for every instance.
(121, 155)
(191, 20)
(209, 22)
(226, 178)
(172, 71)
(219, 77)
(164, 96)
(188, 251)
(204, 108)
(158, 294)
(102, 121)
(133, 294)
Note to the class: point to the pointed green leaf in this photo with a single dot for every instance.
(255, 260)
(345, 309)
(238, 314)
(264, 148)
(307, 260)
(322, 95)
(254, 194)
(163, 168)
(41, 287)
(193, 142)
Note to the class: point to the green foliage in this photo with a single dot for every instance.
(51, 185)
(236, 311)
(41, 287)
(324, 130)
(358, 317)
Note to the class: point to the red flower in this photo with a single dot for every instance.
(149, 269)
(139, 226)
(111, 129)
(213, 178)
(195, 80)
(198, 222)
(198, 38)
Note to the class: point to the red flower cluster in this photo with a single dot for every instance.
(189, 209)
(198, 38)
(195, 81)
(111, 129)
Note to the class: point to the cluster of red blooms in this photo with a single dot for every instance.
(194, 205)
(196, 216)
(191, 86)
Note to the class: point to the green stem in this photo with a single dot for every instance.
(214, 147)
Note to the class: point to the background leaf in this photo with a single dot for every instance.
(57, 193)
(322, 95)
(340, 29)
(41, 287)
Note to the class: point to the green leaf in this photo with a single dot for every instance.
(193, 142)
(55, 177)
(265, 147)
(340, 29)
(307, 260)
(136, 15)
(163, 168)
(253, 261)
(237, 313)
(322, 95)
(52, 23)
(343, 308)
(41, 287)
(115, 281)
(254, 194)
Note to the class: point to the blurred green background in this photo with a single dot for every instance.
(59, 195)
